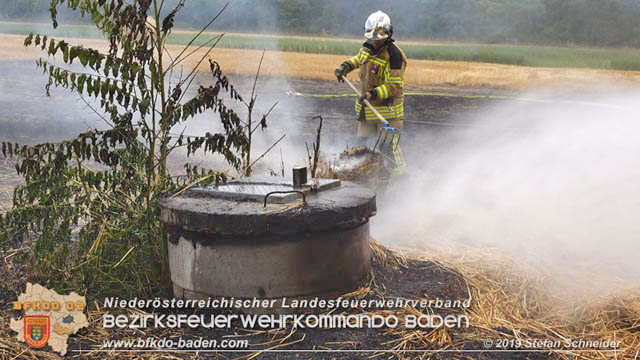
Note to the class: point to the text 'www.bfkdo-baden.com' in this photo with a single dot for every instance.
(175, 344)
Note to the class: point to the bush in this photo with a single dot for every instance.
(90, 202)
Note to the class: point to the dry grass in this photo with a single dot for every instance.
(358, 164)
(419, 72)
(510, 300)
(424, 72)
(12, 47)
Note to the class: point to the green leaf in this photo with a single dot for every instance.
(99, 59)
(114, 68)
(73, 53)
(80, 83)
(125, 73)
(65, 54)
(93, 58)
(28, 40)
(144, 106)
(76, 148)
(83, 55)
(52, 48)
(104, 88)
(96, 86)
(108, 64)
(89, 86)
(73, 80)
(112, 89)
(54, 13)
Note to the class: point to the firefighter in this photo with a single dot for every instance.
(382, 65)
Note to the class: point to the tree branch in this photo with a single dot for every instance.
(269, 149)
(199, 33)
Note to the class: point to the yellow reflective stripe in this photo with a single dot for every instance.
(388, 112)
(359, 59)
(392, 108)
(397, 152)
(362, 56)
(401, 166)
(372, 116)
(383, 109)
(395, 80)
(378, 61)
(383, 92)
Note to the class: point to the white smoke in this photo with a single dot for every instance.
(283, 119)
(556, 183)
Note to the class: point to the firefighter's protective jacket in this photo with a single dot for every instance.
(382, 70)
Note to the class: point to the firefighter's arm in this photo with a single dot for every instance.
(393, 82)
(360, 58)
(351, 64)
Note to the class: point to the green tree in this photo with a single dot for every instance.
(294, 14)
(91, 201)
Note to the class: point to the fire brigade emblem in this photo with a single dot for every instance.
(36, 330)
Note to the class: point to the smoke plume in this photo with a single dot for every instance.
(554, 183)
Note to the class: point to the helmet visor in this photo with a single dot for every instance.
(375, 34)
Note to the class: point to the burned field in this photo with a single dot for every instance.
(509, 299)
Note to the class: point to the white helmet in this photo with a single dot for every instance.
(378, 26)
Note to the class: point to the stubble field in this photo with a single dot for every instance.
(419, 72)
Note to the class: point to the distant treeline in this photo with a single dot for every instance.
(556, 22)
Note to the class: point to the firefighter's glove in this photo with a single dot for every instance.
(343, 70)
(369, 95)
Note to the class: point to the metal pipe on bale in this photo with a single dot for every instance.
(299, 176)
